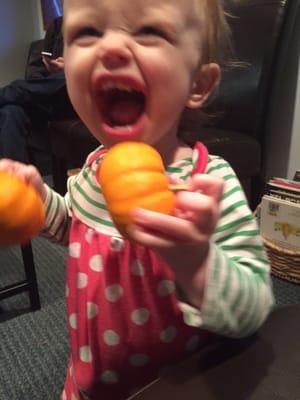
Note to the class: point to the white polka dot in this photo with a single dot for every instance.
(117, 244)
(168, 334)
(109, 376)
(92, 310)
(111, 338)
(138, 360)
(73, 321)
(73, 397)
(82, 280)
(67, 291)
(89, 235)
(85, 354)
(64, 396)
(113, 293)
(74, 250)
(140, 316)
(137, 268)
(193, 343)
(164, 288)
(96, 263)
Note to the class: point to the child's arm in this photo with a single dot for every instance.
(58, 213)
(229, 281)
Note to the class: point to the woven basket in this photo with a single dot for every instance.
(285, 263)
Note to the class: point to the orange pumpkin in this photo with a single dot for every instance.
(132, 175)
(21, 210)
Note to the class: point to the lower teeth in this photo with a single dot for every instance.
(124, 127)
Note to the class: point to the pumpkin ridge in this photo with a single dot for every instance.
(163, 202)
(135, 185)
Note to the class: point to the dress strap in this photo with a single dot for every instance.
(94, 155)
(202, 158)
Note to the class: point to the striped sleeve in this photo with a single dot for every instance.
(238, 294)
(58, 213)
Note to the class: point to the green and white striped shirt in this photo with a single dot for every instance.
(238, 293)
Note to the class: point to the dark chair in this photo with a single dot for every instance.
(262, 31)
(28, 284)
(68, 155)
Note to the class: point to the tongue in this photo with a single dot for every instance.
(125, 112)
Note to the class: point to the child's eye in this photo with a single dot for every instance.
(87, 31)
(83, 34)
(152, 31)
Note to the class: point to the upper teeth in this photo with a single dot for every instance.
(113, 85)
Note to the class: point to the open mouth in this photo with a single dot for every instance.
(122, 105)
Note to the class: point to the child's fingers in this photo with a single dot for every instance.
(208, 185)
(198, 208)
(7, 165)
(28, 173)
(23, 171)
(200, 204)
(196, 215)
(149, 238)
(169, 228)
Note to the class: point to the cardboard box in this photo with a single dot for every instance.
(280, 222)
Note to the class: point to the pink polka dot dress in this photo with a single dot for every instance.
(125, 322)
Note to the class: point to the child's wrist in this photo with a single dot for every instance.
(192, 279)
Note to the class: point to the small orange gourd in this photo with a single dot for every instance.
(132, 175)
(21, 210)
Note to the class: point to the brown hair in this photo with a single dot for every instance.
(215, 34)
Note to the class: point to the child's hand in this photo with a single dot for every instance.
(183, 240)
(27, 173)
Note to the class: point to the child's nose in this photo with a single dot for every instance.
(114, 51)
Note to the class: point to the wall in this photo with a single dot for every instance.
(20, 23)
(294, 156)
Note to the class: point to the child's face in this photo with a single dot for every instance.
(131, 66)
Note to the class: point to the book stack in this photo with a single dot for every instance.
(280, 212)
(297, 176)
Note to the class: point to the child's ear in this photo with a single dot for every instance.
(204, 84)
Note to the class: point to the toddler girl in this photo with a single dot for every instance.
(137, 306)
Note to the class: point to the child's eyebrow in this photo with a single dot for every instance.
(165, 24)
